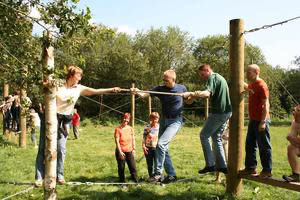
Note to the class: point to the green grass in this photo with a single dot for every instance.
(91, 158)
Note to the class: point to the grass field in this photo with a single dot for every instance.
(91, 158)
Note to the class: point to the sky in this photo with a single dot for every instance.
(200, 18)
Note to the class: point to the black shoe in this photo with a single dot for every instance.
(169, 179)
(291, 178)
(223, 170)
(207, 169)
(155, 179)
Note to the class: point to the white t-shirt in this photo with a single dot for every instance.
(35, 119)
(66, 98)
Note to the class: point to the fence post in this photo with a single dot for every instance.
(236, 57)
(132, 107)
(206, 107)
(149, 105)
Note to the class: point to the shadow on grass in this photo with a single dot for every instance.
(135, 193)
(142, 191)
(108, 179)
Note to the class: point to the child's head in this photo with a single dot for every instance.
(296, 113)
(126, 118)
(154, 117)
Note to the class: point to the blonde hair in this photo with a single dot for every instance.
(154, 115)
(72, 69)
(170, 73)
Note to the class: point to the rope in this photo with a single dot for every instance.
(21, 192)
(190, 121)
(271, 25)
(111, 108)
(295, 102)
(92, 183)
(153, 92)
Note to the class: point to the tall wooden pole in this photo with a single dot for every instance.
(206, 107)
(5, 94)
(132, 107)
(149, 105)
(22, 137)
(235, 151)
(51, 120)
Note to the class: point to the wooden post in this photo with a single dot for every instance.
(236, 57)
(149, 105)
(51, 120)
(22, 136)
(132, 107)
(206, 107)
(5, 94)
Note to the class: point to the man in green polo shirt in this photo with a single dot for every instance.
(217, 90)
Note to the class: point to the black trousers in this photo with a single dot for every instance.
(129, 158)
(150, 159)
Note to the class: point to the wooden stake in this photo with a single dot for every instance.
(206, 107)
(51, 121)
(132, 107)
(22, 136)
(236, 56)
(149, 105)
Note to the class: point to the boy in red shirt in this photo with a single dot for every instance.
(76, 123)
(125, 148)
(150, 139)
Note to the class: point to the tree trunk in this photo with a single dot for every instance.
(5, 94)
(22, 137)
(51, 121)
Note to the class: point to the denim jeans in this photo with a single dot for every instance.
(40, 158)
(262, 140)
(61, 154)
(167, 131)
(214, 128)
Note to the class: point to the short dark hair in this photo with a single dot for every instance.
(203, 66)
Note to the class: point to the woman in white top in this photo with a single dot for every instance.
(66, 98)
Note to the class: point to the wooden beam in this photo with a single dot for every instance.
(274, 182)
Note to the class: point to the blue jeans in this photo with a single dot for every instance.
(61, 154)
(214, 128)
(167, 131)
(262, 140)
(40, 158)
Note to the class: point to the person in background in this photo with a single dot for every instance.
(76, 123)
(34, 123)
(125, 148)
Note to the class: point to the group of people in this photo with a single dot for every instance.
(157, 137)
(11, 112)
